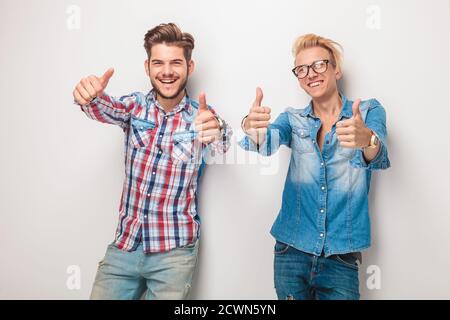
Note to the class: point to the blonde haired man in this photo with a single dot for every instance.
(336, 143)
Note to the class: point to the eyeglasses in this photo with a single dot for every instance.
(319, 66)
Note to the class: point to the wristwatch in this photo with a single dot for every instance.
(373, 141)
(221, 123)
(242, 123)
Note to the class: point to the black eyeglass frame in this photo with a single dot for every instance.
(311, 66)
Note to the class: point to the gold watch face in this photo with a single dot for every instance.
(373, 141)
(220, 123)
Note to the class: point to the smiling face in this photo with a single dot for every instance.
(168, 71)
(318, 85)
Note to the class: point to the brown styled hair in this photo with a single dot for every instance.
(169, 34)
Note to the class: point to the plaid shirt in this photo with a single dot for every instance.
(163, 161)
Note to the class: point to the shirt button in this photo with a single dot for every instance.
(323, 188)
(160, 135)
(159, 151)
(145, 216)
(321, 235)
(153, 172)
(148, 194)
(142, 128)
(322, 211)
(322, 164)
(314, 141)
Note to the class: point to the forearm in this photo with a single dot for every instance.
(107, 109)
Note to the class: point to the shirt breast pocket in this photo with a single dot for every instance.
(141, 132)
(184, 146)
(301, 140)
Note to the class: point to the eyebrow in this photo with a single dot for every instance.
(303, 65)
(174, 60)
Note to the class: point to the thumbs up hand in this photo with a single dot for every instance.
(91, 87)
(206, 124)
(353, 133)
(258, 119)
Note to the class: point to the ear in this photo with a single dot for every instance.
(191, 66)
(147, 71)
(338, 74)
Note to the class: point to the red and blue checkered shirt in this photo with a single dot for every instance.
(163, 161)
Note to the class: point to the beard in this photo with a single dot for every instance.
(181, 88)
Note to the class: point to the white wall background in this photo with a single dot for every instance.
(61, 173)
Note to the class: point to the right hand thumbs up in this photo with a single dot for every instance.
(259, 97)
(258, 119)
(90, 87)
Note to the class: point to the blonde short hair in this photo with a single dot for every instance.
(311, 40)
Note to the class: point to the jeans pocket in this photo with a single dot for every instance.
(190, 246)
(280, 247)
(101, 263)
(348, 259)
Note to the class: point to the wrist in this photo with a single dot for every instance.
(373, 140)
(243, 122)
(220, 122)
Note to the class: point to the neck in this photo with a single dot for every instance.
(329, 105)
(169, 104)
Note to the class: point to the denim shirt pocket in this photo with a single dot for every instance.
(301, 140)
(141, 132)
(183, 146)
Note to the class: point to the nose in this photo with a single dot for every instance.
(311, 74)
(167, 69)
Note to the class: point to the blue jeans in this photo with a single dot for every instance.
(128, 275)
(302, 276)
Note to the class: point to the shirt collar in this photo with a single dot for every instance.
(346, 110)
(346, 107)
(185, 103)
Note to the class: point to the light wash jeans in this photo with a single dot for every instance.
(128, 275)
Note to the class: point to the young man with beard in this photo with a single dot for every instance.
(336, 143)
(167, 136)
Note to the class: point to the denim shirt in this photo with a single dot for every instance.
(325, 199)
